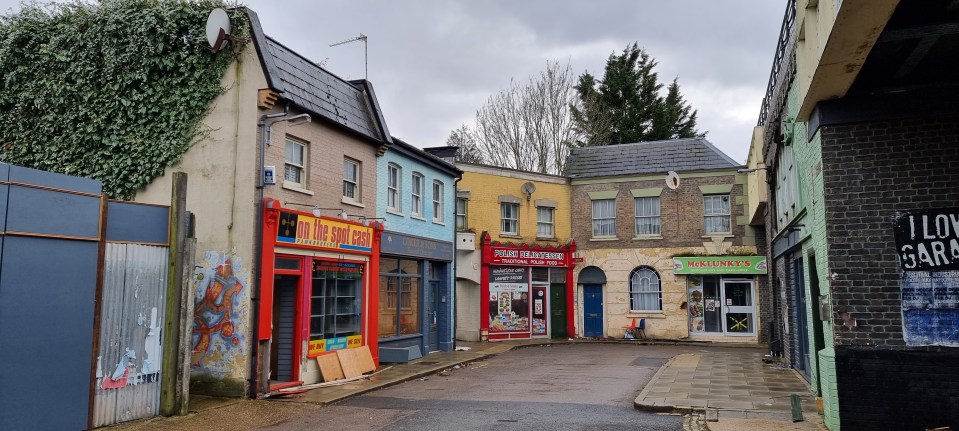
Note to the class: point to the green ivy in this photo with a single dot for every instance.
(114, 90)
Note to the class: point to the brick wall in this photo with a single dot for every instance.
(897, 390)
(871, 171)
(681, 213)
(326, 148)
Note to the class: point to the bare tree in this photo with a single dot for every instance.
(530, 126)
(468, 151)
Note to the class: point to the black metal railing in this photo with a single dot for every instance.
(772, 102)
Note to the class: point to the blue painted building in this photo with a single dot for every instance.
(416, 200)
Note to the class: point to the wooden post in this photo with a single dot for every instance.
(170, 402)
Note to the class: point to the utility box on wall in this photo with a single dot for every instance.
(825, 308)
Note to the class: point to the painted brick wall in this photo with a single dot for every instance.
(681, 213)
(326, 148)
(870, 171)
(897, 390)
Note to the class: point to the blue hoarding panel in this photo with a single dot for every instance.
(20, 174)
(47, 293)
(49, 212)
(130, 222)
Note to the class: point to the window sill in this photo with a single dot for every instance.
(604, 238)
(439, 222)
(417, 217)
(351, 202)
(395, 212)
(646, 314)
(546, 238)
(722, 234)
(296, 188)
(510, 235)
(645, 237)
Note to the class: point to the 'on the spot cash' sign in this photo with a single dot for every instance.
(928, 240)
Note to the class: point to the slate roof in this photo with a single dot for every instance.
(680, 155)
(350, 104)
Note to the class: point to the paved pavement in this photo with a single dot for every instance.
(716, 391)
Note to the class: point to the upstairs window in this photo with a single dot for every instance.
(351, 179)
(393, 187)
(544, 222)
(716, 214)
(509, 218)
(647, 217)
(417, 195)
(461, 207)
(437, 201)
(604, 218)
(294, 168)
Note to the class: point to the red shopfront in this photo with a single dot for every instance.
(526, 291)
(319, 291)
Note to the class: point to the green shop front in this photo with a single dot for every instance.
(722, 295)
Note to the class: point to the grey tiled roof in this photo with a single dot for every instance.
(314, 89)
(647, 158)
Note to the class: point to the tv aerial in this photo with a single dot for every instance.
(218, 30)
(362, 37)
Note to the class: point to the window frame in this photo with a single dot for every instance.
(504, 220)
(439, 189)
(596, 219)
(726, 216)
(540, 222)
(393, 188)
(460, 227)
(355, 182)
(301, 167)
(640, 217)
(416, 194)
(636, 289)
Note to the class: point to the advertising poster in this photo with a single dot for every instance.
(509, 299)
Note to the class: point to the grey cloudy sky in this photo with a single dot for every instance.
(433, 63)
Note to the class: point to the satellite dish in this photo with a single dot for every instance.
(672, 180)
(218, 29)
(528, 189)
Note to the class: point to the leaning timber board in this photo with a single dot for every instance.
(329, 367)
(349, 363)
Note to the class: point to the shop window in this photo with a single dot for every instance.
(393, 187)
(417, 195)
(351, 180)
(544, 222)
(716, 212)
(509, 215)
(604, 218)
(461, 207)
(400, 290)
(509, 304)
(294, 168)
(647, 217)
(645, 290)
(437, 202)
(335, 304)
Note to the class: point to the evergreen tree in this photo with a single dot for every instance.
(626, 105)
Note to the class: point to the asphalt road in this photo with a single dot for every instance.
(556, 387)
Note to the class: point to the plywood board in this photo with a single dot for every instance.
(329, 367)
(365, 359)
(348, 363)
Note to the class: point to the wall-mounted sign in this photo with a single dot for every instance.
(303, 230)
(330, 344)
(516, 256)
(742, 265)
(408, 245)
(928, 240)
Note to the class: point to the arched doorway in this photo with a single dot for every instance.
(592, 279)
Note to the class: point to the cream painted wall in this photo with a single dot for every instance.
(221, 170)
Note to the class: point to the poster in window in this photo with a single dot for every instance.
(509, 299)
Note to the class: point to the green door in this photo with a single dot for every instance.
(557, 310)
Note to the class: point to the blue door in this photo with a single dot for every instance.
(593, 310)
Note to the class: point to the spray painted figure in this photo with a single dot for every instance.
(217, 293)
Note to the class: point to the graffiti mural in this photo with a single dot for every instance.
(927, 242)
(221, 305)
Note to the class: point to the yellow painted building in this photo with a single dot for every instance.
(516, 209)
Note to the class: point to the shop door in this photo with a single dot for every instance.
(284, 323)
(801, 361)
(433, 307)
(557, 311)
(740, 311)
(592, 310)
(540, 311)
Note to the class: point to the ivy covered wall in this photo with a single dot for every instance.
(113, 90)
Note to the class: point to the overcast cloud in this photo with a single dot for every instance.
(433, 63)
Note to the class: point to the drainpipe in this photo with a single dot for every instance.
(258, 248)
(455, 258)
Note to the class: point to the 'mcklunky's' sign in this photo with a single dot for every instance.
(928, 240)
